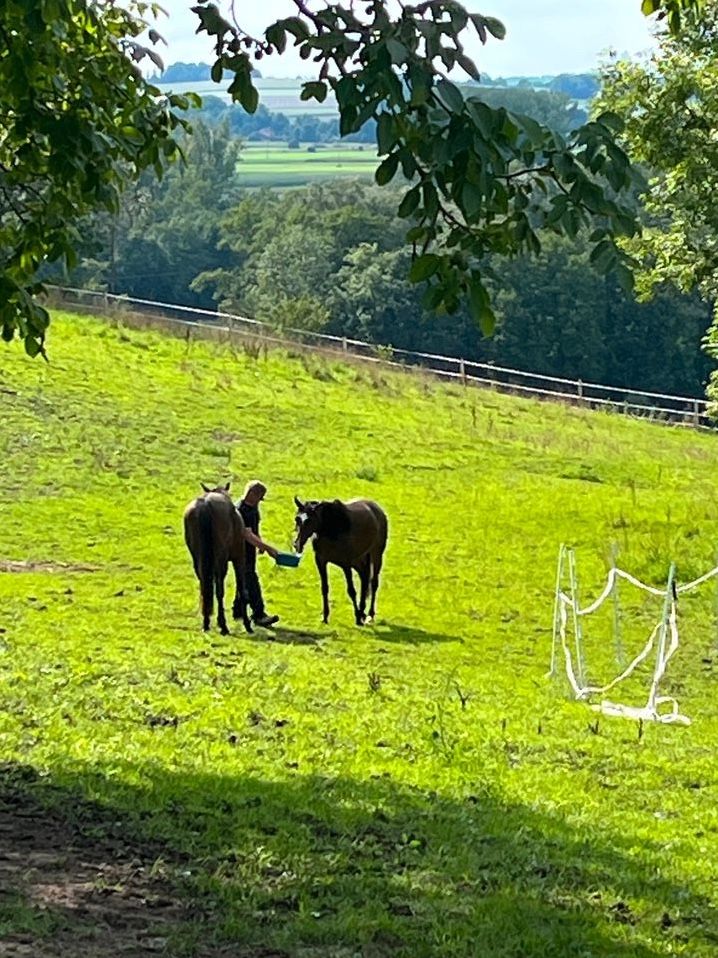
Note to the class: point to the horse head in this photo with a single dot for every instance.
(306, 522)
(327, 519)
(223, 490)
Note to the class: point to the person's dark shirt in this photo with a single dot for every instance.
(251, 517)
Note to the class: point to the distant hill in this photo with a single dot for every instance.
(187, 73)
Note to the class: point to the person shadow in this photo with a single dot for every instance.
(205, 865)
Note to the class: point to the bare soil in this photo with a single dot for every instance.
(77, 887)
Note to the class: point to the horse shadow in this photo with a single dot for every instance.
(285, 636)
(408, 634)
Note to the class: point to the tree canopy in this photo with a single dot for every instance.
(670, 108)
(79, 122)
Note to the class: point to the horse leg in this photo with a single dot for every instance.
(364, 571)
(220, 575)
(358, 616)
(376, 569)
(322, 568)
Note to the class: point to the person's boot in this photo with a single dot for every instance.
(266, 621)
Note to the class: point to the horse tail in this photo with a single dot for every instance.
(206, 559)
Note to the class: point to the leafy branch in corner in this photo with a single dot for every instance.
(479, 179)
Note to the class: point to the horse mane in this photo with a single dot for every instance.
(335, 520)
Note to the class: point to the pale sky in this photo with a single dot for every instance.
(543, 36)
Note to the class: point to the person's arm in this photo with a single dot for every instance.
(259, 544)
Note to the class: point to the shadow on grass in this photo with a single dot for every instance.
(285, 636)
(391, 632)
(329, 868)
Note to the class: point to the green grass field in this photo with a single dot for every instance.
(270, 165)
(414, 788)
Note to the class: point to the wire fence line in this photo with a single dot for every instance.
(687, 410)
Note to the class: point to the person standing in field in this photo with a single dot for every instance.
(248, 507)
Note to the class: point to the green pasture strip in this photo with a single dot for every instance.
(414, 788)
(275, 167)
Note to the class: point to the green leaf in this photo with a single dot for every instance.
(450, 95)
(468, 66)
(410, 202)
(385, 171)
(424, 267)
(314, 90)
(471, 200)
(277, 36)
(386, 137)
(397, 51)
(495, 27)
(296, 27)
(480, 306)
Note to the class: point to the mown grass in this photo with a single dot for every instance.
(273, 166)
(415, 788)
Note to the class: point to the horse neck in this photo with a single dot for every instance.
(334, 521)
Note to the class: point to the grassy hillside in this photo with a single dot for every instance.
(414, 788)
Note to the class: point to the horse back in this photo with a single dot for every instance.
(227, 527)
(367, 531)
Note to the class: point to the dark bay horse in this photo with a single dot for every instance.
(214, 533)
(351, 535)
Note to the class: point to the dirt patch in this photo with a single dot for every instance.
(14, 565)
(73, 885)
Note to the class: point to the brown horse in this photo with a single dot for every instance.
(214, 533)
(351, 535)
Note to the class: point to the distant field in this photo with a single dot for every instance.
(280, 95)
(271, 165)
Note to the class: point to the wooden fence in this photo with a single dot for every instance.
(690, 410)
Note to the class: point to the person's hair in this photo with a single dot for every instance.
(254, 486)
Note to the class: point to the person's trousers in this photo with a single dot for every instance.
(254, 591)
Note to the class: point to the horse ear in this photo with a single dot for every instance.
(298, 504)
(226, 486)
(206, 488)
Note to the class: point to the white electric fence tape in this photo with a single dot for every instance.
(666, 631)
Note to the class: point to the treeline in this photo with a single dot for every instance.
(180, 72)
(580, 86)
(332, 257)
(553, 108)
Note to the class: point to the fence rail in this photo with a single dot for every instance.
(690, 410)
